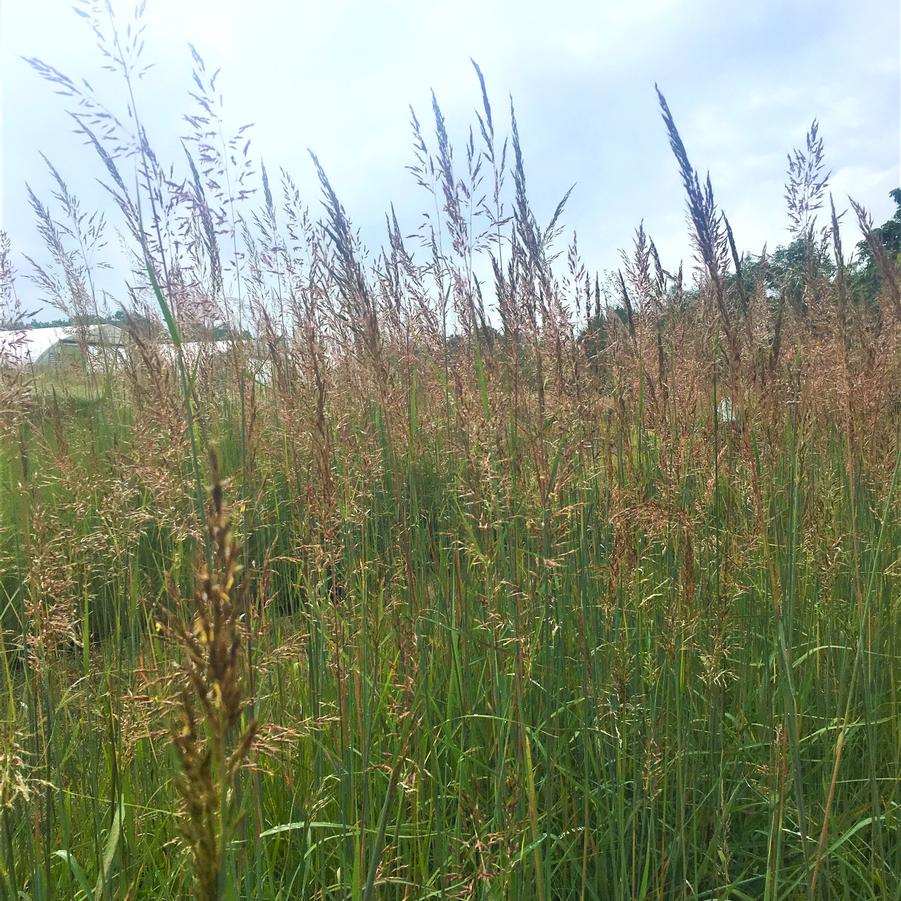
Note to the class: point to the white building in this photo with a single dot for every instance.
(57, 346)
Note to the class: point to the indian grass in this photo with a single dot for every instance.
(523, 613)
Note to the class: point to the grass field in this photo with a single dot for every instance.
(514, 589)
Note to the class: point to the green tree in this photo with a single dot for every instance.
(866, 279)
(789, 270)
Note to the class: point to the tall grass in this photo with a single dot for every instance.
(527, 612)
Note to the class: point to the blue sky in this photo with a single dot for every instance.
(743, 81)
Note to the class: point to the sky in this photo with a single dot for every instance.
(743, 81)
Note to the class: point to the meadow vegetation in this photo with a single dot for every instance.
(462, 572)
